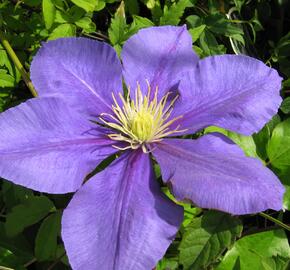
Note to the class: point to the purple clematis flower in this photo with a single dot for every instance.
(119, 219)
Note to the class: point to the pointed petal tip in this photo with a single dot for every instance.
(215, 174)
(119, 219)
(45, 146)
(87, 70)
(236, 92)
(161, 65)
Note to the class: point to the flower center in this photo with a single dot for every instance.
(142, 125)
(141, 120)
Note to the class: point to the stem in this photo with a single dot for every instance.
(237, 21)
(276, 221)
(32, 261)
(92, 36)
(5, 268)
(56, 262)
(268, 163)
(269, 228)
(97, 35)
(17, 63)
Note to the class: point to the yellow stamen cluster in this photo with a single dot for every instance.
(141, 121)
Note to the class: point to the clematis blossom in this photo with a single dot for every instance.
(119, 218)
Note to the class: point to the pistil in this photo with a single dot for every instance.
(141, 121)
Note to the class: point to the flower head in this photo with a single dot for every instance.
(141, 121)
(120, 219)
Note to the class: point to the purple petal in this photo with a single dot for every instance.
(238, 93)
(120, 219)
(214, 173)
(85, 72)
(47, 147)
(159, 55)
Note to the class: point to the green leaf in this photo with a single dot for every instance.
(137, 24)
(256, 251)
(8, 259)
(59, 4)
(48, 10)
(280, 263)
(9, 74)
(30, 212)
(5, 61)
(239, 38)
(278, 148)
(132, 6)
(239, 4)
(263, 136)
(155, 7)
(283, 46)
(46, 239)
(32, 3)
(286, 83)
(14, 194)
(118, 26)
(286, 198)
(189, 210)
(173, 14)
(196, 32)
(87, 5)
(198, 50)
(194, 21)
(167, 264)
(6, 80)
(247, 143)
(63, 30)
(75, 13)
(209, 44)
(86, 24)
(218, 24)
(141, 22)
(100, 5)
(18, 244)
(60, 253)
(61, 17)
(214, 6)
(285, 106)
(206, 238)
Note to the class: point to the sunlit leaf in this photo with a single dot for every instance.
(206, 238)
(48, 10)
(258, 251)
(87, 5)
(278, 148)
(172, 15)
(63, 30)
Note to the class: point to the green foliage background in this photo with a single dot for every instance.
(30, 221)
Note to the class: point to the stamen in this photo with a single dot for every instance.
(141, 121)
